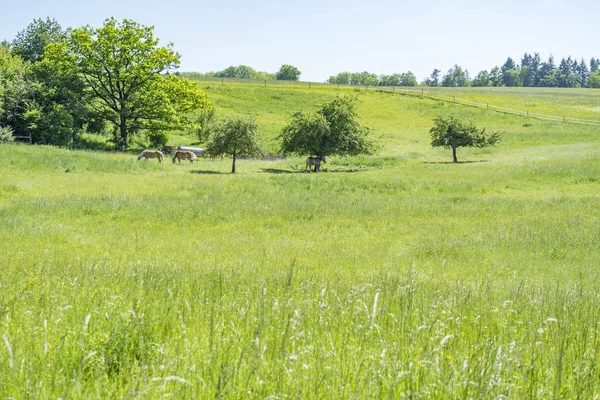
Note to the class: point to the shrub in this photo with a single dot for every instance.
(6, 134)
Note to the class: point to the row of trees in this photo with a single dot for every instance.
(56, 84)
(370, 79)
(286, 73)
(531, 72)
(332, 129)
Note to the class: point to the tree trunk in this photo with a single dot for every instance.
(233, 164)
(123, 131)
(454, 154)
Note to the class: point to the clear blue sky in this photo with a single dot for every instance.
(323, 38)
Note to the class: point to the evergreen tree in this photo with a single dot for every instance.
(434, 78)
(583, 73)
(547, 73)
(528, 72)
(536, 61)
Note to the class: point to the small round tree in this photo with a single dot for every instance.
(236, 135)
(452, 133)
(332, 130)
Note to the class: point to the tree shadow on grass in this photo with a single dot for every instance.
(282, 171)
(460, 162)
(201, 172)
(300, 171)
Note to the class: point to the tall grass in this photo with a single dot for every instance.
(389, 276)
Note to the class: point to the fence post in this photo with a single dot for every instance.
(221, 81)
(421, 92)
(366, 87)
(564, 119)
(393, 89)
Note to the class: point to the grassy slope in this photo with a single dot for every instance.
(409, 274)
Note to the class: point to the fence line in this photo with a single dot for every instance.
(509, 111)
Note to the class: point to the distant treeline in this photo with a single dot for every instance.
(286, 72)
(531, 72)
(369, 79)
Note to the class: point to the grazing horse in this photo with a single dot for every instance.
(184, 155)
(146, 154)
(316, 161)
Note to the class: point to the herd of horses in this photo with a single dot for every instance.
(179, 155)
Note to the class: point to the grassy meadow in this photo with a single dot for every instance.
(398, 275)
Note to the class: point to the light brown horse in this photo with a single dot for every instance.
(184, 155)
(316, 161)
(146, 154)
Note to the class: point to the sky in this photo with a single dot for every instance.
(324, 38)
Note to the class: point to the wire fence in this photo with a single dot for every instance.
(420, 93)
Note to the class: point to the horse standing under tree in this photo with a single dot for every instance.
(184, 155)
(146, 154)
(316, 161)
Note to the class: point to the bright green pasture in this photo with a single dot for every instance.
(574, 103)
(402, 122)
(391, 276)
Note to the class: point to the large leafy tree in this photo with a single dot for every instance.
(123, 67)
(333, 129)
(236, 135)
(452, 133)
(56, 113)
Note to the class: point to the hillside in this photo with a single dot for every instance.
(402, 122)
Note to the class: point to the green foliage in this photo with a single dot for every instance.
(238, 136)
(456, 77)
(203, 124)
(434, 78)
(30, 43)
(288, 73)
(332, 130)
(482, 79)
(6, 134)
(121, 64)
(453, 133)
(17, 90)
(157, 138)
(242, 72)
(594, 80)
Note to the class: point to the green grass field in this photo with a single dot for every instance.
(398, 275)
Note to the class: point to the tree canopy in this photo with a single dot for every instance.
(288, 73)
(122, 68)
(453, 133)
(332, 129)
(30, 43)
(236, 135)
(17, 88)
